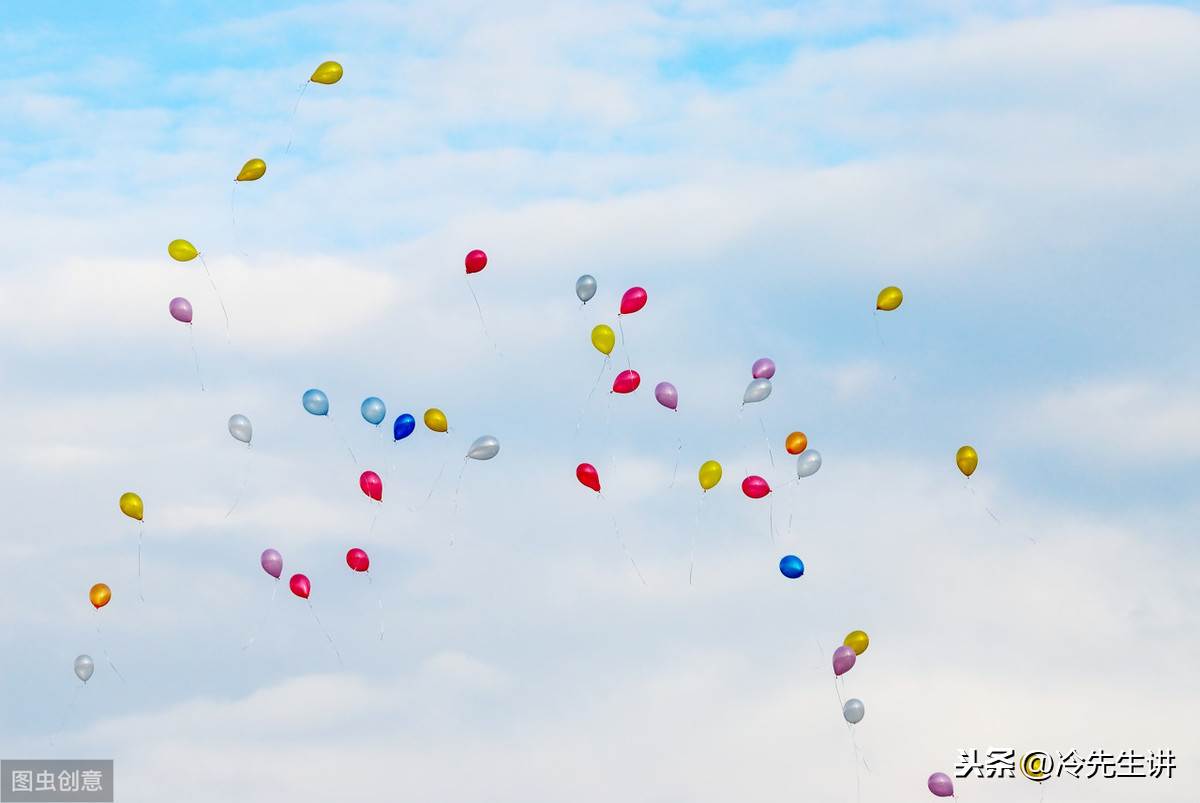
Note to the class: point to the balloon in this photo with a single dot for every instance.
(100, 595)
(941, 785)
(857, 640)
(603, 339)
(316, 402)
(585, 287)
(252, 170)
(485, 447)
(587, 474)
(710, 475)
(843, 660)
(763, 368)
(327, 72)
(239, 428)
(300, 586)
(808, 463)
(131, 505)
(967, 459)
(476, 261)
(435, 419)
(272, 562)
(854, 710)
(756, 391)
(357, 560)
(755, 487)
(371, 485)
(181, 310)
(889, 299)
(633, 300)
(666, 395)
(182, 251)
(84, 667)
(626, 382)
(791, 567)
(373, 410)
(404, 426)
(796, 443)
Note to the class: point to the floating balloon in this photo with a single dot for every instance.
(272, 562)
(404, 426)
(941, 785)
(476, 261)
(626, 382)
(300, 586)
(796, 443)
(252, 170)
(843, 660)
(854, 710)
(857, 640)
(755, 487)
(373, 410)
(131, 505)
(240, 429)
(182, 251)
(967, 459)
(756, 391)
(100, 595)
(435, 419)
(666, 395)
(587, 474)
(791, 567)
(84, 667)
(763, 368)
(585, 287)
(327, 72)
(357, 560)
(808, 463)
(603, 338)
(181, 310)
(889, 299)
(371, 485)
(633, 300)
(710, 475)
(316, 402)
(485, 447)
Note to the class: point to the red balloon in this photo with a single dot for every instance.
(633, 300)
(371, 485)
(587, 474)
(626, 382)
(477, 261)
(300, 586)
(357, 560)
(755, 487)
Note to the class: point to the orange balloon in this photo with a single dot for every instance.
(797, 442)
(100, 595)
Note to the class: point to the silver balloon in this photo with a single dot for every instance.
(854, 710)
(84, 667)
(239, 428)
(808, 463)
(485, 447)
(585, 287)
(756, 391)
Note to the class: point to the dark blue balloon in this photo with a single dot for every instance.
(404, 426)
(791, 567)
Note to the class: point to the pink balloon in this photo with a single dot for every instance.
(626, 382)
(763, 368)
(941, 785)
(633, 300)
(357, 560)
(666, 395)
(756, 487)
(300, 586)
(371, 485)
(181, 310)
(843, 660)
(272, 563)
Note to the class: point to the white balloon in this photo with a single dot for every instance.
(854, 710)
(756, 391)
(585, 287)
(808, 463)
(84, 667)
(239, 428)
(485, 447)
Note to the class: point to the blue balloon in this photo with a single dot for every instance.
(791, 567)
(374, 410)
(404, 426)
(316, 402)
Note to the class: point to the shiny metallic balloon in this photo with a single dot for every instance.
(315, 402)
(808, 463)
(373, 410)
(239, 428)
(756, 391)
(485, 447)
(585, 287)
(84, 667)
(854, 710)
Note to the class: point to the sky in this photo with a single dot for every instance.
(1026, 172)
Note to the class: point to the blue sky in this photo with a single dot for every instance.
(1026, 174)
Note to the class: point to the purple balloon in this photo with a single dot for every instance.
(667, 395)
(941, 785)
(181, 310)
(843, 659)
(764, 368)
(272, 563)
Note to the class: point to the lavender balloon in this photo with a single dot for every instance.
(941, 785)
(272, 563)
(181, 310)
(764, 368)
(843, 659)
(667, 395)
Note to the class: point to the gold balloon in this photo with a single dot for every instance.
(604, 339)
(857, 641)
(889, 299)
(100, 595)
(182, 251)
(967, 459)
(710, 475)
(329, 72)
(435, 419)
(796, 443)
(131, 505)
(252, 170)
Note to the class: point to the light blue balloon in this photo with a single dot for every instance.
(374, 410)
(316, 402)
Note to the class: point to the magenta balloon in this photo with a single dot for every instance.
(843, 659)
(764, 368)
(181, 310)
(272, 563)
(941, 785)
(667, 395)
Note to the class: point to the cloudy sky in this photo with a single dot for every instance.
(1027, 173)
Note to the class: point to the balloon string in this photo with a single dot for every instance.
(675, 471)
(457, 487)
(237, 498)
(592, 392)
(380, 600)
(104, 649)
(195, 358)
(882, 345)
(988, 510)
(263, 622)
(341, 437)
(792, 507)
(67, 712)
(770, 452)
(771, 515)
(326, 632)
(292, 121)
(621, 541)
(217, 293)
(141, 532)
(482, 322)
(692, 559)
(624, 348)
(432, 488)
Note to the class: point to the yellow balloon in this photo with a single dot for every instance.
(435, 419)
(889, 299)
(710, 475)
(131, 505)
(967, 459)
(252, 170)
(329, 72)
(182, 251)
(100, 595)
(857, 641)
(604, 339)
